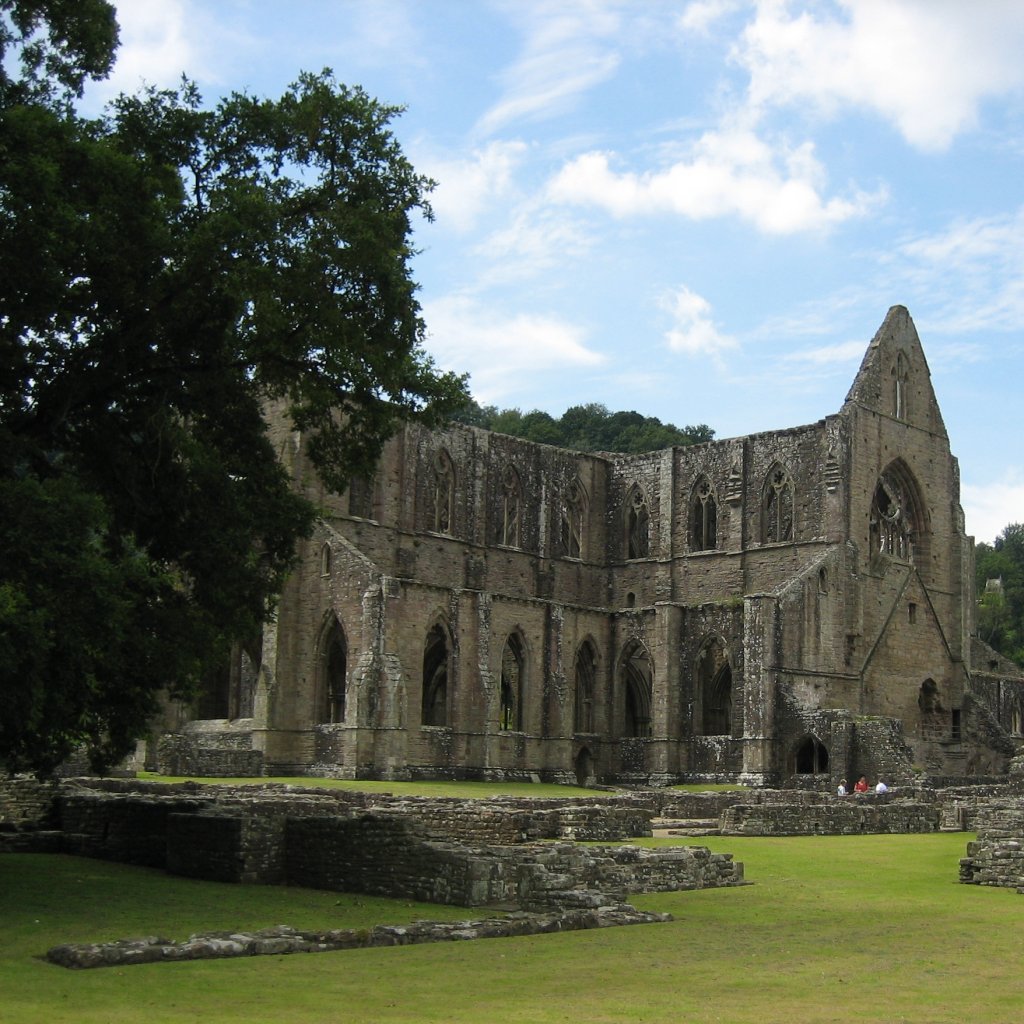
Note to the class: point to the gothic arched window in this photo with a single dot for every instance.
(703, 517)
(444, 493)
(638, 525)
(512, 661)
(332, 670)
(586, 676)
(777, 506)
(892, 527)
(899, 387)
(636, 690)
(713, 677)
(435, 677)
(574, 507)
(509, 528)
(360, 497)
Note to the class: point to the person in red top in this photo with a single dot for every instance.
(861, 785)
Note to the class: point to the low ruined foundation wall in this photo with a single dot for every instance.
(385, 855)
(996, 857)
(26, 803)
(853, 815)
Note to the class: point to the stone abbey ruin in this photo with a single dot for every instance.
(787, 608)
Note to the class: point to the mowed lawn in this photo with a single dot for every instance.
(872, 928)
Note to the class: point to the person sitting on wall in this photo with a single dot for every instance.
(841, 789)
(881, 787)
(861, 785)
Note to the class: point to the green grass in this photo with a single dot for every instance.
(460, 790)
(836, 929)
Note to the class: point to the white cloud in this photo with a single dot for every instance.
(990, 507)
(924, 65)
(729, 172)
(693, 331)
(501, 352)
(534, 242)
(972, 273)
(569, 48)
(465, 187)
(159, 43)
(843, 353)
(700, 15)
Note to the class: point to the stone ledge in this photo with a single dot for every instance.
(284, 939)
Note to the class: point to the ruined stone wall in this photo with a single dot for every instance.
(26, 803)
(852, 815)
(379, 854)
(834, 623)
(997, 856)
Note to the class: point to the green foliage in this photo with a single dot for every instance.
(587, 428)
(165, 272)
(1001, 607)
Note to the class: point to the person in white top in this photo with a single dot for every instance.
(881, 787)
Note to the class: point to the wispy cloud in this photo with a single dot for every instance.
(568, 49)
(502, 351)
(536, 240)
(841, 353)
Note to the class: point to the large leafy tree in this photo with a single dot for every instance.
(1000, 580)
(165, 271)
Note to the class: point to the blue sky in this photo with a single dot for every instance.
(699, 210)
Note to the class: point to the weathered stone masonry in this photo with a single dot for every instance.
(794, 606)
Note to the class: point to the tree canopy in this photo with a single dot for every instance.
(166, 270)
(587, 428)
(1000, 580)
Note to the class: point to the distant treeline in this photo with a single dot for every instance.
(1000, 577)
(587, 428)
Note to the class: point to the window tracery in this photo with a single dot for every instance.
(511, 509)
(891, 522)
(777, 506)
(638, 525)
(572, 519)
(703, 517)
(586, 674)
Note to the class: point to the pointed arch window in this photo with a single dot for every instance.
(573, 516)
(811, 757)
(777, 506)
(325, 560)
(703, 517)
(333, 670)
(891, 523)
(512, 662)
(714, 686)
(586, 677)
(444, 493)
(509, 527)
(638, 524)
(636, 689)
(899, 387)
(360, 497)
(436, 656)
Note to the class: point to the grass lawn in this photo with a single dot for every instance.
(460, 790)
(839, 929)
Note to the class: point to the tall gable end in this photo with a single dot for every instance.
(894, 379)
